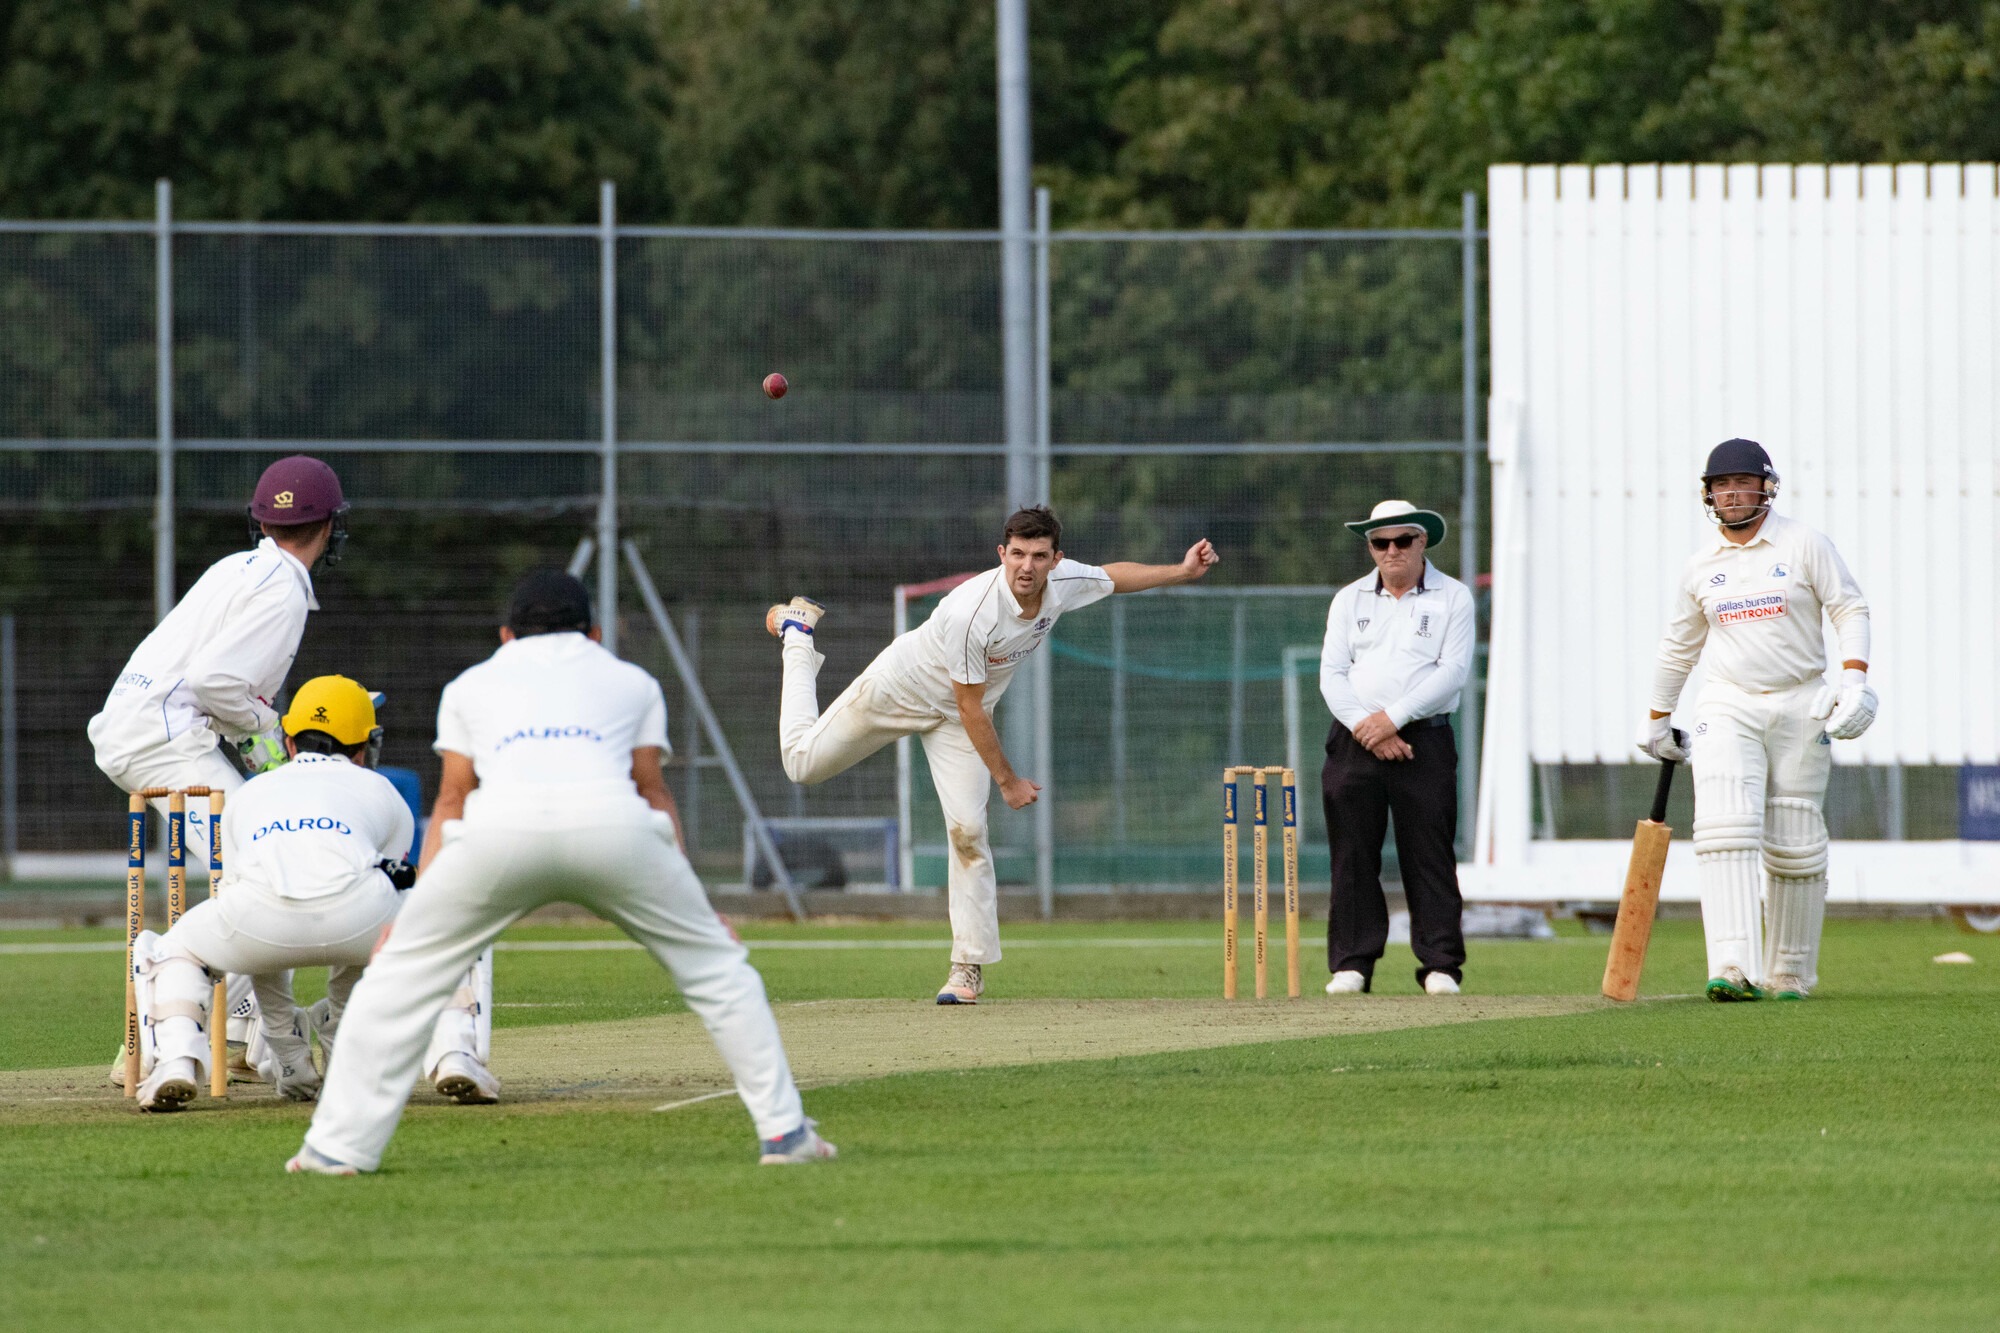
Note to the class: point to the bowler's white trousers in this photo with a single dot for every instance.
(1761, 763)
(490, 872)
(863, 720)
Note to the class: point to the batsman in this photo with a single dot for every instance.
(1748, 606)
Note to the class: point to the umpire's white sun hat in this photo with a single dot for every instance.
(1402, 514)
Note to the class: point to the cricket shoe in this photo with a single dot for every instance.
(1786, 986)
(172, 1085)
(308, 1161)
(118, 1069)
(801, 614)
(1440, 983)
(1347, 982)
(242, 1069)
(317, 1019)
(1732, 987)
(963, 986)
(466, 1081)
(797, 1148)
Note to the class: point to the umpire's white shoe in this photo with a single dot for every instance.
(1440, 983)
(172, 1085)
(800, 1146)
(1347, 983)
(801, 614)
(466, 1081)
(309, 1162)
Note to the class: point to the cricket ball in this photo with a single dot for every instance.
(774, 385)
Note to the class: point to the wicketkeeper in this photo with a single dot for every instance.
(1749, 607)
(208, 674)
(311, 855)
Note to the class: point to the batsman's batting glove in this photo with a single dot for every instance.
(1848, 709)
(1658, 738)
(263, 752)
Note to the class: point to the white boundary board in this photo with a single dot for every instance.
(1844, 316)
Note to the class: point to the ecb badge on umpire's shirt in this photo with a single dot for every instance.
(1398, 651)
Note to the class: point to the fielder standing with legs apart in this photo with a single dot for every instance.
(941, 681)
(551, 791)
(1398, 651)
(211, 671)
(1749, 607)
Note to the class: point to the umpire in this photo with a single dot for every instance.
(1398, 650)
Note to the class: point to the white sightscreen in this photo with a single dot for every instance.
(1844, 317)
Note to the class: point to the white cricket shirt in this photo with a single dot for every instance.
(550, 723)
(1751, 613)
(978, 634)
(1406, 656)
(313, 829)
(214, 665)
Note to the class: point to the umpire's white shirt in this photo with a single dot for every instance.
(214, 666)
(1406, 656)
(978, 635)
(313, 830)
(550, 723)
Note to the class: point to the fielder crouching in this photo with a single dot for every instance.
(551, 791)
(1749, 607)
(310, 851)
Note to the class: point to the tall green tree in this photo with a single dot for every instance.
(450, 110)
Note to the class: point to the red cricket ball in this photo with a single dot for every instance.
(774, 385)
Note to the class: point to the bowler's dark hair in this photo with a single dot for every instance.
(320, 742)
(1034, 521)
(548, 601)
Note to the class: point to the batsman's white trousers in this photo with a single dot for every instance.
(488, 874)
(1760, 763)
(863, 720)
(191, 760)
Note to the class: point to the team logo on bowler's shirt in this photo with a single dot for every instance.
(1717, 580)
(1781, 570)
(1423, 626)
(1736, 610)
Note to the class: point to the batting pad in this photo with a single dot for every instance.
(1795, 840)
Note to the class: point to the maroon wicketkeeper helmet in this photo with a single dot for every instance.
(301, 489)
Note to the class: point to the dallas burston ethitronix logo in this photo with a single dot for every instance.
(283, 499)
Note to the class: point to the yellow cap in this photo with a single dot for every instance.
(335, 705)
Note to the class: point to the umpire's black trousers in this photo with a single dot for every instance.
(1358, 792)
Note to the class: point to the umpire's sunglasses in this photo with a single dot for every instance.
(1402, 542)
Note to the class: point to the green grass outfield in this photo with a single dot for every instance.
(1670, 1165)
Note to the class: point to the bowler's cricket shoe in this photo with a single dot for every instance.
(801, 614)
(963, 986)
(1786, 986)
(1347, 982)
(1439, 983)
(800, 1146)
(1732, 987)
(310, 1162)
(172, 1085)
(466, 1081)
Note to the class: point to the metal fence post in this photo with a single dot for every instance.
(1043, 679)
(163, 389)
(1016, 276)
(607, 340)
(1468, 520)
(10, 750)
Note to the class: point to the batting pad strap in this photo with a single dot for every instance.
(164, 1009)
(463, 998)
(1732, 831)
(1794, 839)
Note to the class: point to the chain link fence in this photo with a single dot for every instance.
(1255, 389)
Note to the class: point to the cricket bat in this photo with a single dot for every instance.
(1636, 906)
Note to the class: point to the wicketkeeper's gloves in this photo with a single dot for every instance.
(263, 752)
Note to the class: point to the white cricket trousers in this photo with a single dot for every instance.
(187, 762)
(488, 874)
(863, 720)
(258, 935)
(1761, 763)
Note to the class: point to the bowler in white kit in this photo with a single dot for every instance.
(552, 791)
(1748, 607)
(941, 682)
